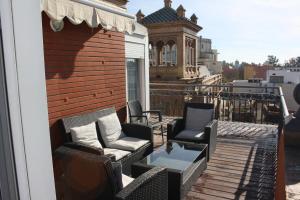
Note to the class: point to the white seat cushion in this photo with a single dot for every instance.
(197, 119)
(129, 143)
(86, 135)
(126, 180)
(118, 153)
(190, 135)
(110, 129)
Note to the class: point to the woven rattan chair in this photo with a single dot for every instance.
(81, 175)
(207, 134)
(138, 116)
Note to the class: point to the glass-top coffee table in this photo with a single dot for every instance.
(185, 163)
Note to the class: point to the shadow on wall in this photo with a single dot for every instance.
(85, 71)
(61, 49)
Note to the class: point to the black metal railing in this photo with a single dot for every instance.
(232, 103)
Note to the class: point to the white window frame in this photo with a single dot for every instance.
(141, 38)
(27, 99)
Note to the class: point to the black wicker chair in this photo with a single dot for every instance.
(209, 135)
(81, 175)
(131, 130)
(138, 116)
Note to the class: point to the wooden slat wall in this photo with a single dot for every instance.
(85, 71)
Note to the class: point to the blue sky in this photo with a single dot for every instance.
(246, 30)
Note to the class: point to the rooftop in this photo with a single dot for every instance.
(166, 15)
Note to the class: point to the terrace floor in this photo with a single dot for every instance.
(243, 166)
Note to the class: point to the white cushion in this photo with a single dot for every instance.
(190, 134)
(86, 135)
(197, 119)
(118, 153)
(129, 143)
(110, 129)
(126, 180)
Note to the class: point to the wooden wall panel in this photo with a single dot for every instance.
(85, 71)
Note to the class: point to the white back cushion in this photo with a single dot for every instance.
(110, 129)
(197, 119)
(86, 135)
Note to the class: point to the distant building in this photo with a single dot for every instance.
(287, 79)
(208, 56)
(247, 84)
(236, 64)
(256, 71)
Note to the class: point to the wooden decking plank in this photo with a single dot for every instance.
(242, 192)
(243, 165)
(237, 181)
(262, 179)
(250, 169)
(237, 186)
(200, 196)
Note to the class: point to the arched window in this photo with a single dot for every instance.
(168, 54)
(174, 55)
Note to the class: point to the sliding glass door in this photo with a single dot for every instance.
(133, 80)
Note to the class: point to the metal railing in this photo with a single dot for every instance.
(232, 103)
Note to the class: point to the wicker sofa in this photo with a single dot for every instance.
(82, 175)
(132, 130)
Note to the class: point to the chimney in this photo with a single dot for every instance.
(140, 16)
(194, 18)
(180, 11)
(168, 3)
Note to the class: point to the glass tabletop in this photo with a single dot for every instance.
(175, 155)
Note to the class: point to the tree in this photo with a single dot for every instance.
(293, 62)
(272, 60)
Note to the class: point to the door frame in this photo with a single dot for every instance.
(27, 99)
(8, 178)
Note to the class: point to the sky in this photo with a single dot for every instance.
(244, 30)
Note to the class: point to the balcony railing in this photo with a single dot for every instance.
(264, 105)
(232, 103)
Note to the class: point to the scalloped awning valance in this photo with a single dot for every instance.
(94, 13)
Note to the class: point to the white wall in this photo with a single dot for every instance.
(293, 77)
(24, 64)
(133, 44)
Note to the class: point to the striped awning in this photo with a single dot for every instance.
(94, 13)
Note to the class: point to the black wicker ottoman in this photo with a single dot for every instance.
(185, 163)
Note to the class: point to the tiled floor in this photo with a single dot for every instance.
(243, 166)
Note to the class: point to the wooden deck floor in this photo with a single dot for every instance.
(243, 166)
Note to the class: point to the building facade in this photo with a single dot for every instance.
(287, 79)
(208, 56)
(256, 71)
(173, 43)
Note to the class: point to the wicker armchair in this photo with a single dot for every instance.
(138, 116)
(206, 134)
(81, 175)
(131, 130)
